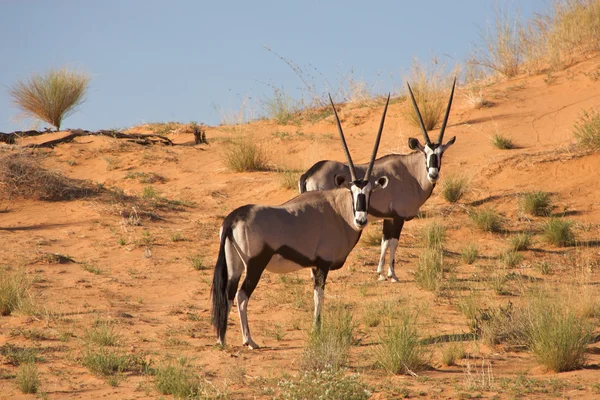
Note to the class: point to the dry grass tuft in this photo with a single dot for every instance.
(22, 176)
(242, 154)
(51, 97)
(536, 203)
(587, 130)
(15, 292)
(428, 83)
(454, 188)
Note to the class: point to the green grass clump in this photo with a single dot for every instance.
(242, 154)
(487, 220)
(454, 188)
(109, 361)
(146, 177)
(587, 130)
(433, 236)
(178, 379)
(430, 270)
(520, 242)
(328, 347)
(197, 262)
(15, 293)
(19, 355)
(27, 379)
(103, 333)
(52, 96)
(557, 336)
(536, 203)
(558, 232)
(326, 384)
(469, 253)
(371, 235)
(511, 259)
(502, 142)
(401, 351)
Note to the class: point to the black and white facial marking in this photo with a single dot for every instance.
(361, 196)
(433, 156)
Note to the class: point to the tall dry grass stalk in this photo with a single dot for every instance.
(429, 83)
(51, 97)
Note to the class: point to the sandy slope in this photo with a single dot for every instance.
(161, 304)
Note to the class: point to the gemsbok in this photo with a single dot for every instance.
(314, 230)
(412, 178)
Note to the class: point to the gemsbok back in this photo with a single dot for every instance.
(314, 230)
(412, 178)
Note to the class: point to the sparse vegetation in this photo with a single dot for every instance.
(22, 176)
(289, 179)
(400, 351)
(103, 333)
(536, 203)
(197, 262)
(325, 384)
(487, 220)
(433, 236)
(51, 97)
(371, 235)
(558, 232)
(108, 361)
(454, 188)
(451, 353)
(502, 142)
(469, 253)
(587, 129)
(27, 379)
(242, 154)
(280, 107)
(328, 346)
(146, 177)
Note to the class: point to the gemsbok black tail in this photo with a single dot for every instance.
(220, 306)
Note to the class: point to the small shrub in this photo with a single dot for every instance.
(502, 142)
(14, 293)
(430, 270)
(326, 384)
(520, 242)
(178, 380)
(328, 346)
(454, 188)
(487, 220)
(558, 232)
(28, 380)
(587, 129)
(469, 253)
(103, 334)
(536, 203)
(433, 236)
(51, 97)
(243, 154)
(400, 351)
(511, 259)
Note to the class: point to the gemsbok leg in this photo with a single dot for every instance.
(389, 241)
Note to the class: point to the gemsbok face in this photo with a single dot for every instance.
(433, 152)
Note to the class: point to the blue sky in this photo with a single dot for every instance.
(158, 61)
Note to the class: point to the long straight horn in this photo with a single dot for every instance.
(344, 145)
(412, 97)
(443, 128)
(376, 147)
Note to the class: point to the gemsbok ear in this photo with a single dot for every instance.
(340, 181)
(414, 144)
(381, 183)
(449, 143)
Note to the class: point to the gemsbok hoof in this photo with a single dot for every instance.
(381, 278)
(251, 345)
